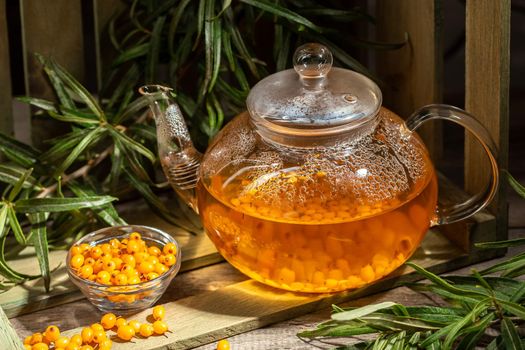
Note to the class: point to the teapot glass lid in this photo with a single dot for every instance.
(314, 95)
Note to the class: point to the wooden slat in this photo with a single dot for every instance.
(6, 114)
(412, 74)
(487, 89)
(54, 29)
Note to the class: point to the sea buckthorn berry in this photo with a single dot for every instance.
(153, 259)
(170, 248)
(36, 338)
(169, 260)
(105, 257)
(133, 280)
(140, 257)
(108, 321)
(135, 324)
(133, 247)
(76, 339)
(27, 347)
(86, 271)
(84, 247)
(97, 327)
(151, 276)
(27, 340)
(160, 269)
(154, 251)
(103, 277)
(72, 346)
(223, 345)
(121, 321)
(86, 347)
(99, 266)
(121, 279)
(40, 346)
(106, 248)
(105, 344)
(87, 335)
(75, 250)
(77, 261)
(135, 236)
(109, 265)
(146, 330)
(89, 261)
(158, 312)
(160, 327)
(114, 243)
(61, 342)
(125, 332)
(118, 263)
(146, 267)
(128, 260)
(95, 252)
(99, 336)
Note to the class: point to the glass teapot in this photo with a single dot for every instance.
(317, 187)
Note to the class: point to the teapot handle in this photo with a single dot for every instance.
(450, 213)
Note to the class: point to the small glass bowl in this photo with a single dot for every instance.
(131, 298)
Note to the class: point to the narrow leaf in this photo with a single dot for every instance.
(362, 311)
(38, 102)
(72, 118)
(15, 226)
(520, 189)
(152, 60)
(80, 90)
(79, 148)
(46, 205)
(11, 174)
(133, 145)
(513, 308)
(39, 239)
(501, 244)
(21, 149)
(510, 335)
(19, 184)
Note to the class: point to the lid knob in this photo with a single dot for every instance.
(312, 60)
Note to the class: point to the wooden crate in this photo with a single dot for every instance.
(416, 70)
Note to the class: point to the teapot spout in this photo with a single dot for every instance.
(179, 158)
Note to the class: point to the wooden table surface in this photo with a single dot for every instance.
(278, 336)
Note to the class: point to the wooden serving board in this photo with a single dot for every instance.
(243, 306)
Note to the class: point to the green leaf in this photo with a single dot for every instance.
(19, 184)
(72, 118)
(133, 145)
(444, 284)
(338, 15)
(45, 205)
(152, 60)
(87, 141)
(501, 244)
(137, 105)
(27, 153)
(3, 219)
(468, 319)
(511, 339)
(513, 308)
(56, 81)
(216, 45)
(11, 174)
(342, 330)
(39, 239)
(106, 213)
(505, 265)
(80, 90)
(518, 294)
(15, 226)
(283, 12)
(38, 102)
(200, 22)
(131, 54)
(514, 184)
(174, 23)
(474, 333)
(362, 311)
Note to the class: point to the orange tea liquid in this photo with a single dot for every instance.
(320, 246)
